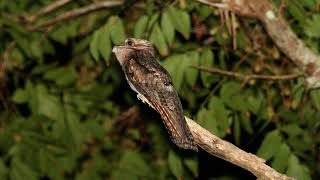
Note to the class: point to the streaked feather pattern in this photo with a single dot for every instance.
(148, 78)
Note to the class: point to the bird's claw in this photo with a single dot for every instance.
(142, 98)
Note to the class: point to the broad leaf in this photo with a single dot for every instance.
(116, 28)
(175, 164)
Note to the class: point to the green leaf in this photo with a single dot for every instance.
(254, 102)
(175, 69)
(60, 35)
(192, 165)
(297, 170)
(270, 145)
(246, 122)
(158, 40)
(175, 164)
(232, 95)
(20, 96)
(206, 119)
(181, 21)
(312, 26)
(220, 113)
(94, 45)
(237, 131)
(315, 97)
(36, 49)
(191, 73)
(153, 19)
(310, 4)
(73, 124)
(117, 31)
(3, 169)
(20, 170)
(280, 160)
(297, 11)
(104, 43)
(206, 60)
(47, 104)
(133, 163)
(167, 28)
(140, 27)
(292, 130)
(63, 76)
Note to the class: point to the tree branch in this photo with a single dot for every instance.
(279, 31)
(229, 152)
(77, 12)
(51, 7)
(249, 76)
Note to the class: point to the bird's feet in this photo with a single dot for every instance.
(142, 98)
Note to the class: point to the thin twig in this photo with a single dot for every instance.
(249, 76)
(77, 12)
(51, 7)
(229, 152)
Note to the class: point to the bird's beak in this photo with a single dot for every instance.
(115, 49)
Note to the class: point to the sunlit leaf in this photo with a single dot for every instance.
(280, 160)
(181, 21)
(296, 169)
(173, 66)
(116, 28)
(140, 27)
(20, 96)
(157, 38)
(270, 145)
(167, 27)
(104, 43)
(94, 45)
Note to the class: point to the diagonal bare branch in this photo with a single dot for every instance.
(229, 152)
(55, 5)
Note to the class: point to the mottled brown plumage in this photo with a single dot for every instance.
(149, 79)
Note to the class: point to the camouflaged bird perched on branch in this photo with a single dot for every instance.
(153, 83)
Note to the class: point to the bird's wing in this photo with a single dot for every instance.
(155, 85)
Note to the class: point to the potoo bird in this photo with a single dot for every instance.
(149, 79)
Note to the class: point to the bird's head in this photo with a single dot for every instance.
(126, 50)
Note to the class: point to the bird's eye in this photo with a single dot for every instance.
(129, 42)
